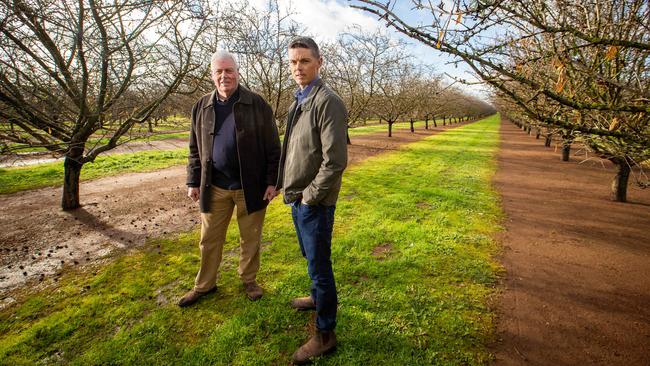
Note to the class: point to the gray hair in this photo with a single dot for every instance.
(220, 55)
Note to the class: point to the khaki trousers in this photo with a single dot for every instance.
(214, 225)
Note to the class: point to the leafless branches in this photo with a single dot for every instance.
(571, 66)
(71, 68)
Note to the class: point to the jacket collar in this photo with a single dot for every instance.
(309, 99)
(245, 97)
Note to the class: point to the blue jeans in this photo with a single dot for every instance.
(314, 229)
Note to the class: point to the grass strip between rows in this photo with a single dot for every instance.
(413, 259)
(16, 179)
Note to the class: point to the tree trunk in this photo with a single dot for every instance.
(547, 141)
(619, 184)
(390, 128)
(444, 122)
(566, 149)
(434, 122)
(539, 132)
(412, 129)
(71, 173)
(347, 133)
(150, 125)
(426, 124)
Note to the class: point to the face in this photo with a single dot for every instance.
(304, 65)
(225, 77)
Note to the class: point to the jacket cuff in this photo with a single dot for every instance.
(308, 198)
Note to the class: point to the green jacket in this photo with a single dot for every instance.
(315, 151)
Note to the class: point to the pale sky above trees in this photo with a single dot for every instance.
(325, 19)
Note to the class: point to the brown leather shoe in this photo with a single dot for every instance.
(320, 344)
(253, 291)
(303, 303)
(193, 296)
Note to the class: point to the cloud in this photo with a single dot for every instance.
(325, 19)
(322, 19)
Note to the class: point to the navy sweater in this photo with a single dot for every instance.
(225, 160)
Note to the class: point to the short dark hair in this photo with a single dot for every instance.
(305, 42)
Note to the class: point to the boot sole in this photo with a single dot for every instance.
(311, 360)
(254, 298)
(203, 294)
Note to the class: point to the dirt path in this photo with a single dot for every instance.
(38, 240)
(577, 290)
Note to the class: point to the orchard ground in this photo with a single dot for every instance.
(575, 291)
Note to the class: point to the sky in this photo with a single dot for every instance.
(324, 19)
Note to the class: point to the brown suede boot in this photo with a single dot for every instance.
(253, 291)
(321, 343)
(303, 303)
(193, 296)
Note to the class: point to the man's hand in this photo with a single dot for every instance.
(270, 193)
(193, 193)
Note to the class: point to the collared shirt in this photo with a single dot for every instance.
(301, 94)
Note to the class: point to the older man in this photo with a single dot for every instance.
(233, 163)
(314, 155)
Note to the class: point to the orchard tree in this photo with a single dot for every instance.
(72, 70)
(261, 37)
(396, 96)
(580, 67)
(353, 66)
(428, 103)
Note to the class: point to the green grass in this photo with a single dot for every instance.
(168, 136)
(145, 138)
(16, 179)
(175, 122)
(423, 301)
(51, 174)
(373, 128)
(20, 148)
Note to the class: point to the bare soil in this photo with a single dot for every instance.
(577, 289)
(38, 240)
